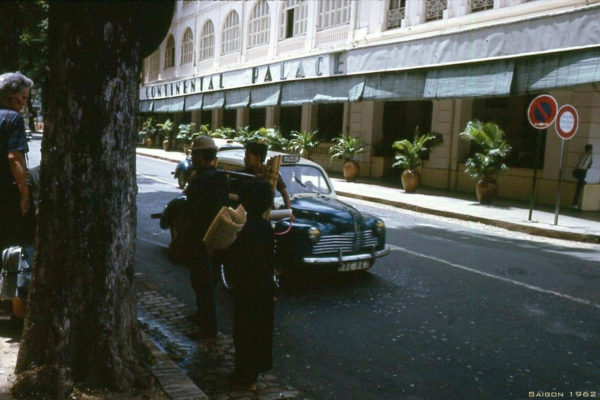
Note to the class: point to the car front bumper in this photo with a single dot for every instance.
(341, 258)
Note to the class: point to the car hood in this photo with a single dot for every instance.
(327, 210)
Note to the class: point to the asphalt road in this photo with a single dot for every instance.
(456, 311)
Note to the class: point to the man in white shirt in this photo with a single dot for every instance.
(580, 172)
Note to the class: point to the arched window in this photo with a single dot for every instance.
(170, 53)
(293, 19)
(187, 47)
(333, 13)
(258, 32)
(231, 34)
(153, 72)
(207, 41)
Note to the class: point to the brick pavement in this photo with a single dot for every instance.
(163, 317)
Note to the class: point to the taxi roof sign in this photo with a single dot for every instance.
(542, 111)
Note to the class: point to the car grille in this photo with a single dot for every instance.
(348, 242)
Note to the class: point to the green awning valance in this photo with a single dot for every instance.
(193, 102)
(539, 73)
(395, 86)
(237, 98)
(473, 80)
(174, 104)
(330, 90)
(212, 101)
(265, 96)
(145, 105)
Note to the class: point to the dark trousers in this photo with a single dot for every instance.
(15, 229)
(203, 284)
(578, 190)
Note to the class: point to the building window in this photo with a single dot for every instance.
(230, 118)
(257, 118)
(153, 73)
(187, 47)
(207, 41)
(434, 9)
(333, 13)
(231, 34)
(396, 13)
(170, 53)
(480, 5)
(510, 113)
(293, 19)
(330, 120)
(290, 119)
(258, 32)
(206, 118)
(400, 119)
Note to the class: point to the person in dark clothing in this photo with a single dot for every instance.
(15, 201)
(254, 163)
(251, 256)
(580, 173)
(207, 192)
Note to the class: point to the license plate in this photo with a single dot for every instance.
(355, 265)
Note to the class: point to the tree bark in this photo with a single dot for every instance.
(81, 327)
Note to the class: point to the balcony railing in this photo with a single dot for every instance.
(434, 9)
(480, 5)
(395, 17)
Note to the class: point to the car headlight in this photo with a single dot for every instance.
(379, 228)
(314, 234)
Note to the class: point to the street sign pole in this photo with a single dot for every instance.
(560, 178)
(541, 114)
(535, 168)
(567, 121)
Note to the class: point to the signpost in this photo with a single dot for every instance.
(541, 114)
(567, 122)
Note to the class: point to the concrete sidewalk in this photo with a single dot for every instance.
(572, 225)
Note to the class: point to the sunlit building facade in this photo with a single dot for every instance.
(377, 69)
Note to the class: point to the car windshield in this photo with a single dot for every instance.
(301, 179)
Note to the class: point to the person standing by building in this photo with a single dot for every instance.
(580, 173)
(14, 193)
(251, 258)
(207, 192)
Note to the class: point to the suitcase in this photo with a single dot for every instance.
(15, 272)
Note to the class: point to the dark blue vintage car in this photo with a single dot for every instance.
(327, 234)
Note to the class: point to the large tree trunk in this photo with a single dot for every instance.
(81, 326)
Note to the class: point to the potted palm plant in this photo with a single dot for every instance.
(187, 132)
(166, 129)
(148, 131)
(487, 160)
(302, 142)
(346, 147)
(409, 156)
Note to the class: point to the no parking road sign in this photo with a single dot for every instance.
(542, 111)
(567, 122)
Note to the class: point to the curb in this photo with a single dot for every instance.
(173, 381)
(532, 230)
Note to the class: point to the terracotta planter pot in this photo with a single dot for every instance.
(149, 142)
(351, 170)
(166, 145)
(410, 180)
(486, 190)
